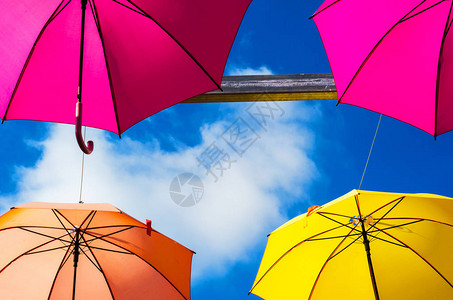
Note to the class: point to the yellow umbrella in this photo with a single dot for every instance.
(364, 245)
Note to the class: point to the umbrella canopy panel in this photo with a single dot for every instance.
(139, 57)
(88, 251)
(323, 255)
(392, 57)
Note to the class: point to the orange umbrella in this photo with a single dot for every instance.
(88, 251)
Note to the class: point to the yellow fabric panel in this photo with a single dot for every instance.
(295, 274)
(402, 274)
(345, 275)
(411, 242)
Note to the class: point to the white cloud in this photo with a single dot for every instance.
(263, 70)
(234, 214)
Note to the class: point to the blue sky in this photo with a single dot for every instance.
(311, 153)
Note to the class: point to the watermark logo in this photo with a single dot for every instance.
(186, 189)
(239, 136)
(224, 152)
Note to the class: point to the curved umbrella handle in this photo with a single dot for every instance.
(87, 149)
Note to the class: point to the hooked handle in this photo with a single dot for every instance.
(87, 149)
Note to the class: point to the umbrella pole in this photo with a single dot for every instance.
(366, 242)
(76, 260)
(87, 149)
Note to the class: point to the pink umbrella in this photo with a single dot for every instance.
(129, 58)
(392, 57)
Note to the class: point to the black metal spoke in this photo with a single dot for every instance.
(342, 224)
(46, 235)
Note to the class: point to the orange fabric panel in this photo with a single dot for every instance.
(72, 206)
(30, 277)
(131, 278)
(47, 218)
(161, 252)
(30, 217)
(136, 265)
(103, 218)
(90, 282)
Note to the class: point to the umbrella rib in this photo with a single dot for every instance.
(391, 227)
(95, 237)
(48, 236)
(325, 263)
(374, 48)
(45, 235)
(379, 220)
(314, 15)
(101, 238)
(109, 250)
(86, 255)
(430, 220)
(397, 199)
(334, 237)
(387, 241)
(100, 268)
(177, 42)
(373, 233)
(355, 240)
(47, 250)
(115, 226)
(67, 258)
(34, 248)
(356, 198)
(342, 224)
(59, 220)
(107, 65)
(449, 26)
(438, 69)
(92, 213)
(30, 226)
(56, 12)
(422, 11)
(62, 263)
(334, 214)
(284, 254)
(128, 7)
(419, 255)
(59, 11)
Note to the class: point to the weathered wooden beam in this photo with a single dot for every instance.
(271, 88)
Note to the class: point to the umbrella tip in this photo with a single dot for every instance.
(311, 209)
(148, 227)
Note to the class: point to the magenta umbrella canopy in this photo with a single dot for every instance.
(392, 57)
(140, 57)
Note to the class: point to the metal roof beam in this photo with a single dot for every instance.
(271, 88)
